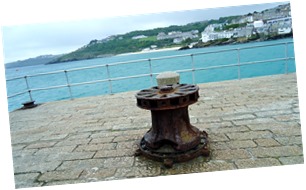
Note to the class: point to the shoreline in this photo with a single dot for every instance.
(149, 51)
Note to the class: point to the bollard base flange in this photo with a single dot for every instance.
(169, 156)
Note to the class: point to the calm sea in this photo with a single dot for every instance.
(142, 67)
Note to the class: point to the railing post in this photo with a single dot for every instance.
(28, 87)
(151, 74)
(193, 69)
(68, 84)
(238, 62)
(286, 54)
(109, 79)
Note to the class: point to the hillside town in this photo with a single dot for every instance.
(269, 24)
(272, 22)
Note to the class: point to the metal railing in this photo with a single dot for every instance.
(151, 74)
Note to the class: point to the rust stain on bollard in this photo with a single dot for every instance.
(171, 138)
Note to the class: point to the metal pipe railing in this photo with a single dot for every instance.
(238, 61)
(150, 61)
(68, 84)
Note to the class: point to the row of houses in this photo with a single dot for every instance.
(282, 11)
(178, 36)
(278, 25)
(276, 21)
(235, 33)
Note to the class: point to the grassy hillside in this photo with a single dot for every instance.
(119, 44)
(40, 60)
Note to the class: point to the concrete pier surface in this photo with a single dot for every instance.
(250, 123)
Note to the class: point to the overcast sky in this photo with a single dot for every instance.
(25, 41)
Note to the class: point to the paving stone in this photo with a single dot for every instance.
(275, 106)
(78, 136)
(52, 150)
(82, 164)
(60, 175)
(25, 139)
(292, 160)
(229, 129)
(255, 163)
(73, 142)
(128, 138)
(35, 166)
(277, 151)
(141, 161)
(92, 128)
(54, 137)
(233, 145)
(217, 137)
(292, 140)
(271, 126)
(261, 121)
(24, 153)
(286, 118)
(218, 124)
(250, 135)
(95, 147)
(26, 180)
(97, 174)
(107, 134)
(273, 113)
(213, 165)
(209, 119)
(287, 131)
(70, 156)
(17, 147)
(296, 110)
(137, 172)
(266, 142)
(238, 117)
(114, 153)
(119, 162)
(230, 154)
(41, 145)
(128, 145)
(101, 140)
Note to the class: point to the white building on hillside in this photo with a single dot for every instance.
(286, 30)
(258, 24)
(207, 36)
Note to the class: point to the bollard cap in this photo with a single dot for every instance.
(168, 78)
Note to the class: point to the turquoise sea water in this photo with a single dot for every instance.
(160, 65)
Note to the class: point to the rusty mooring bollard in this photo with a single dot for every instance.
(29, 104)
(171, 138)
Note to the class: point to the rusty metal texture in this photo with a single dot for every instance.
(171, 138)
(167, 97)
